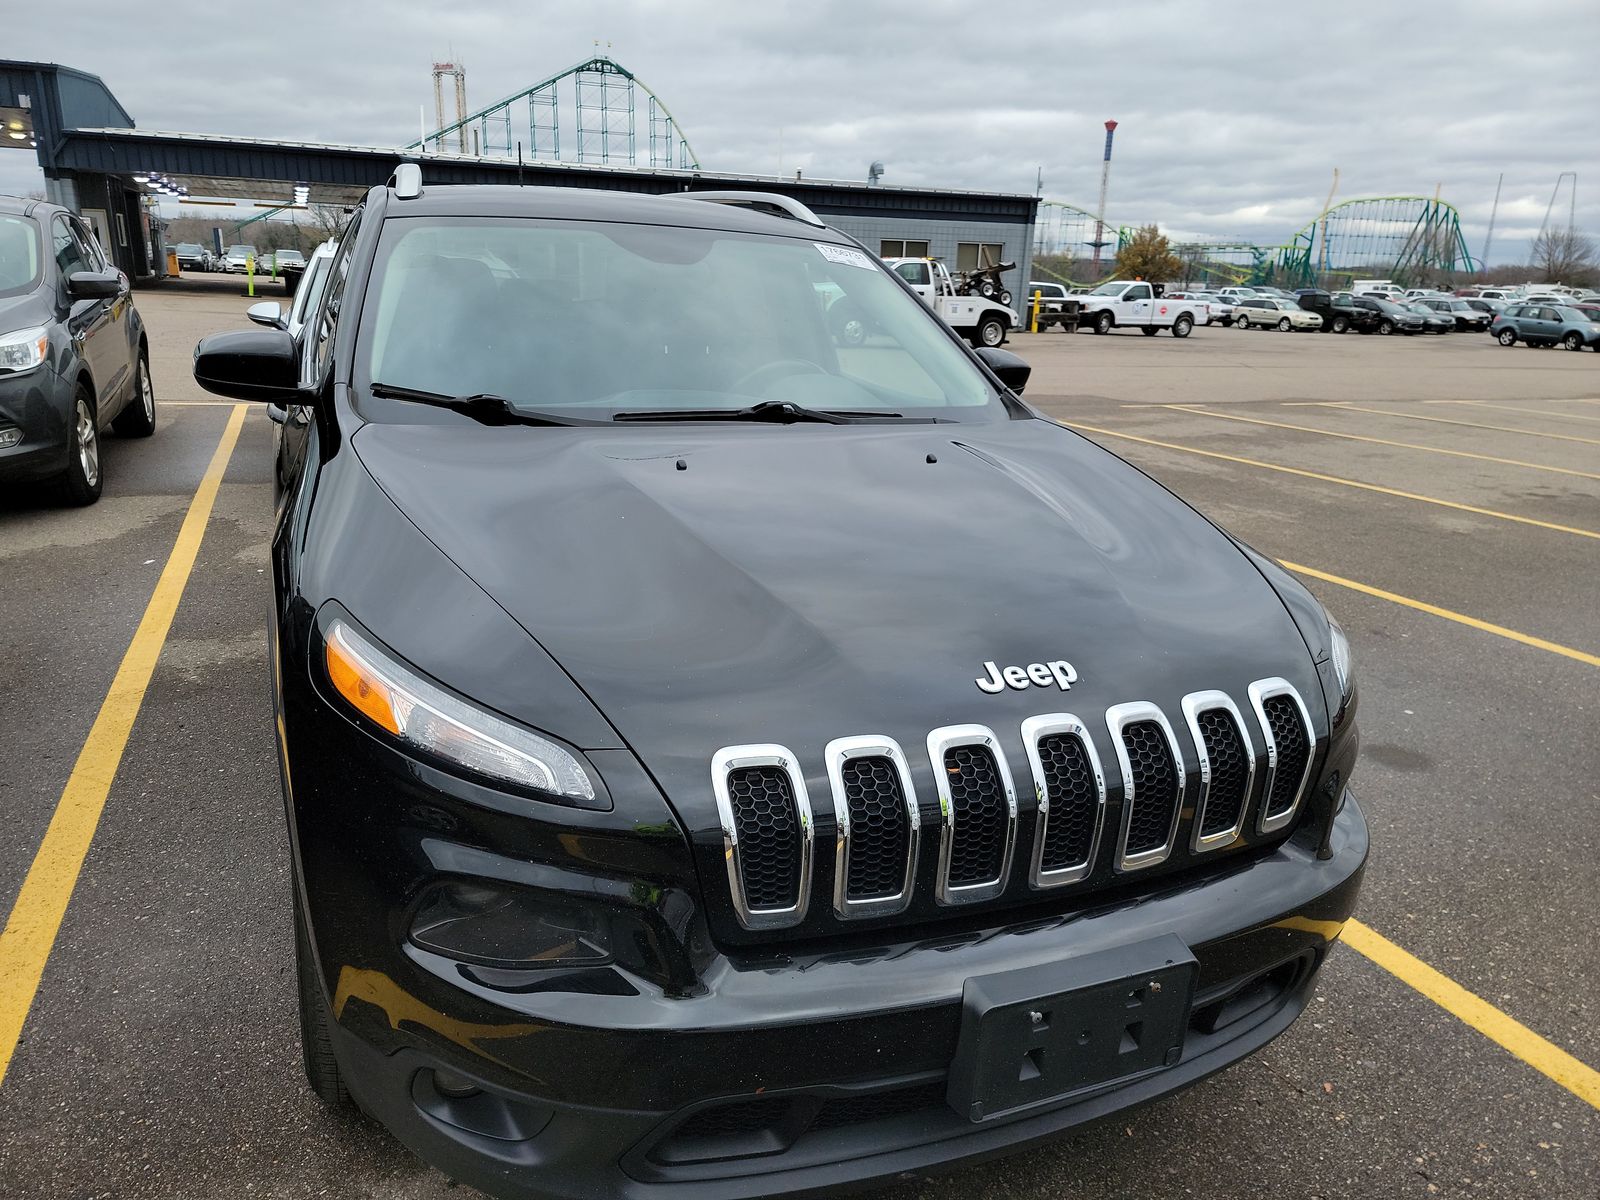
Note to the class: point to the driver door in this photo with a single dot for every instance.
(1136, 305)
(90, 322)
(920, 276)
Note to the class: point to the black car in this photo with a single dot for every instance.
(723, 763)
(192, 256)
(1339, 313)
(1391, 317)
(73, 355)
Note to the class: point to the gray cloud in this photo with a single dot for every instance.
(1232, 118)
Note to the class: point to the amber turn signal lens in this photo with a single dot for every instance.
(360, 684)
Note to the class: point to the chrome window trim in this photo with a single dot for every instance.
(940, 740)
(1261, 691)
(838, 752)
(1035, 729)
(1118, 716)
(733, 758)
(1194, 704)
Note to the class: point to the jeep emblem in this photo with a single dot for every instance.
(1060, 672)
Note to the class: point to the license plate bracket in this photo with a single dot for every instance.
(1042, 1034)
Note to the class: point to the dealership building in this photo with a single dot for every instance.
(97, 161)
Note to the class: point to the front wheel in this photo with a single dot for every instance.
(1573, 340)
(1507, 337)
(1341, 324)
(1241, 322)
(138, 419)
(82, 481)
(316, 1023)
(1385, 327)
(1103, 323)
(990, 332)
(1284, 325)
(1182, 327)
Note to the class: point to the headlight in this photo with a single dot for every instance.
(23, 350)
(1342, 666)
(401, 702)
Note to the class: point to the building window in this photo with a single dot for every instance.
(899, 248)
(972, 255)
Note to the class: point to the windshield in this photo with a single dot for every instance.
(187, 248)
(19, 255)
(595, 319)
(1109, 289)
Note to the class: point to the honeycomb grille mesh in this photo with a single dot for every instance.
(1074, 796)
(1294, 750)
(880, 829)
(769, 836)
(1230, 771)
(1153, 784)
(978, 802)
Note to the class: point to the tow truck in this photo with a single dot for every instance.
(982, 322)
(1138, 304)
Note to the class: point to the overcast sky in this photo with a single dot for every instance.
(1232, 117)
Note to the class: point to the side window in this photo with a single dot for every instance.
(1142, 292)
(71, 257)
(972, 255)
(93, 251)
(914, 273)
(319, 346)
(899, 248)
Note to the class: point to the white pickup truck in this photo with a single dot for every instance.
(1136, 305)
(982, 322)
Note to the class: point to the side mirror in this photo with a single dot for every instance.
(250, 364)
(1012, 370)
(268, 313)
(94, 285)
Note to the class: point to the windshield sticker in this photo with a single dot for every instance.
(844, 255)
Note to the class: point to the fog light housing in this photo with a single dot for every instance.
(9, 438)
(510, 928)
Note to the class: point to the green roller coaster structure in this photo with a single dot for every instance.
(1405, 238)
(603, 126)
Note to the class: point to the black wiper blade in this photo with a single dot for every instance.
(780, 412)
(483, 407)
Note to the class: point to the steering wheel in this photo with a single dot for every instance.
(781, 368)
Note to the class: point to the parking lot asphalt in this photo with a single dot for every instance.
(1440, 494)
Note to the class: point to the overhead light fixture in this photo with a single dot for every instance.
(19, 135)
(141, 179)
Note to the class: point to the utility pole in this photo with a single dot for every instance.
(1105, 182)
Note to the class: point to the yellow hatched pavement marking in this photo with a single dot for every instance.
(35, 920)
(1354, 483)
(1357, 437)
(1582, 1080)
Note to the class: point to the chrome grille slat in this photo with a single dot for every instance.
(1152, 788)
(854, 841)
(977, 748)
(1289, 757)
(1071, 793)
(1219, 810)
(759, 829)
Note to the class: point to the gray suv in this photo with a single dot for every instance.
(1546, 325)
(73, 355)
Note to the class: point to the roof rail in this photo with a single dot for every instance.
(768, 202)
(406, 181)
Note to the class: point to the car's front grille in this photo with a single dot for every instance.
(766, 814)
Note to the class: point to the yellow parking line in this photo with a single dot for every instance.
(1581, 1080)
(1383, 412)
(36, 917)
(1357, 437)
(1582, 656)
(1534, 412)
(1354, 483)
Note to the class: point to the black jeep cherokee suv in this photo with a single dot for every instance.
(720, 762)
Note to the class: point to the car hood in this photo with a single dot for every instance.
(710, 586)
(20, 312)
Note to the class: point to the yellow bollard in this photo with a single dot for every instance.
(250, 275)
(1033, 326)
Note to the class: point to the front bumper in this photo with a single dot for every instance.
(39, 405)
(797, 1072)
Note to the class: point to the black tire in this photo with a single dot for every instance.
(1386, 327)
(990, 332)
(1104, 322)
(1242, 321)
(1573, 340)
(138, 419)
(1506, 337)
(1183, 326)
(1149, 330)
(987, 290)
(1341, 324)
(1285, 325)
(80, 484)
(1005, 297)
(316, 1041)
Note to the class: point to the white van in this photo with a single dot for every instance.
(1387, 288)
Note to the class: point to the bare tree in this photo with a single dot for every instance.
(1565, 256)
(328, 220)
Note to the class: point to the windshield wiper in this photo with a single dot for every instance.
(483, 407)
(780, 412)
